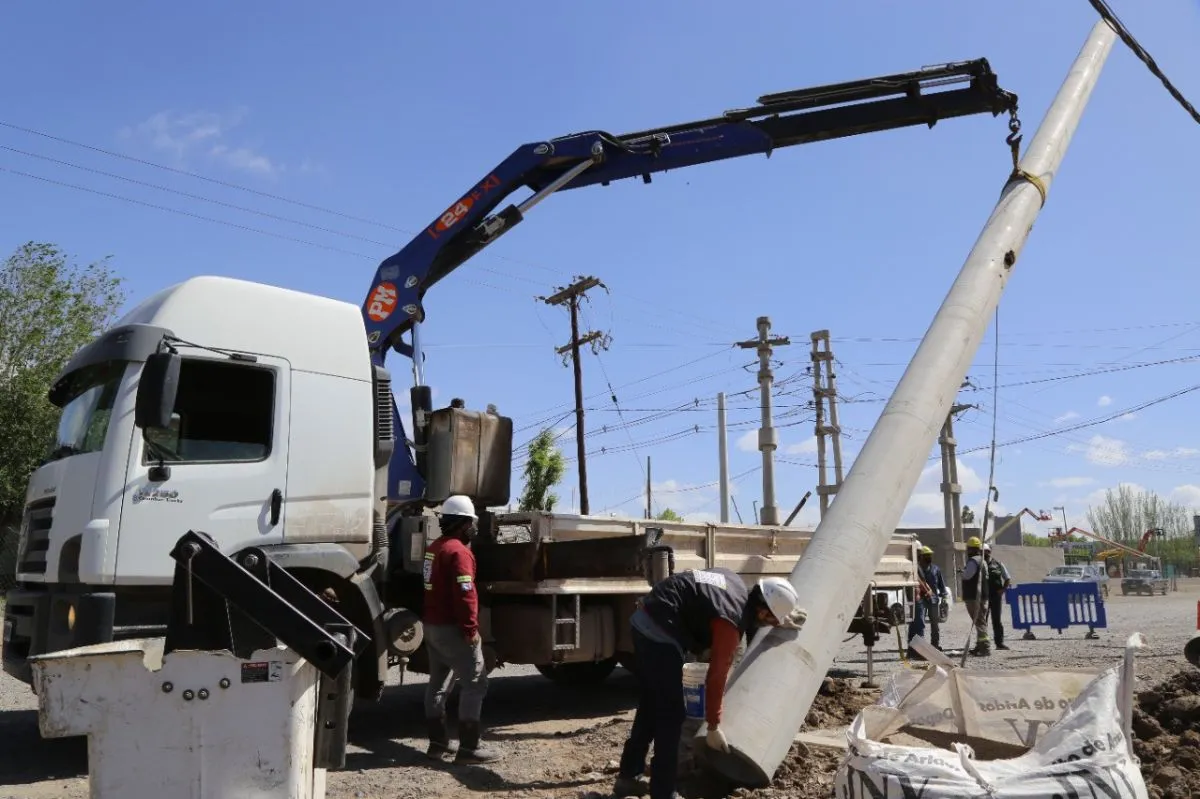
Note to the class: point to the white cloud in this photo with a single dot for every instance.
(1098, 496)
(807, 445)
(202, 134)
(695, 502)
(1188, 495)
(1066, 417)
(925, 506)
(1103, 451)
(748, 441)
(1104, 401)
(1167, 454)
(1069, 482)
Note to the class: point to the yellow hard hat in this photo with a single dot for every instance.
(974, 543)
(926, 551)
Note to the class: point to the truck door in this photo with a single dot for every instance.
(221, 469)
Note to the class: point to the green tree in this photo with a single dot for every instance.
(968, 515)
(543, 470)
(669, 515)
(1126, 514)
(49, 308)
(1032, 540)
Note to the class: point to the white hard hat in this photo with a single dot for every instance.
(781, 599)
(458, 505)
(987, 547)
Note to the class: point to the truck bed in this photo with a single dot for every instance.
(550, 553)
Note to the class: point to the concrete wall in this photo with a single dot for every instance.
(1028, 564)
(1025, 564)
(1010, 536)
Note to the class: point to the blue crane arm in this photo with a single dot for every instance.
(470, 223)
(393, 303)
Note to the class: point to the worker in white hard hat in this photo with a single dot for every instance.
(450, 617)
(688, 613)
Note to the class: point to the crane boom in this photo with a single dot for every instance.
(393, 303)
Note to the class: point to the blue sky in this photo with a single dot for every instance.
(387, 114)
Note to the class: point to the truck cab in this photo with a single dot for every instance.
(275, 397)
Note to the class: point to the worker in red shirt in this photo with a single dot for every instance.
(451, 625)
(684, 614)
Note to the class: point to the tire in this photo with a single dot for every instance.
(579, 674)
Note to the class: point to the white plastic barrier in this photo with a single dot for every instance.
(202, 725)
(1070, 725)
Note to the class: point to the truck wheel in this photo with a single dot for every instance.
(579, 674)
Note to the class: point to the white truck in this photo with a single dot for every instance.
(276, 437)
(264, 417)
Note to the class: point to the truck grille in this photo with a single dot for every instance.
(35, 543)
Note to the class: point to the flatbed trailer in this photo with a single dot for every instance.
(557, 590)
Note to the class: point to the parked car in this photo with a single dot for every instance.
(1079, 573)
(1144, 581)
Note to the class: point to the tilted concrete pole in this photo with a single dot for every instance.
(775, 683)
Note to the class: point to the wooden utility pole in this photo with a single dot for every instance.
(768, 438)
(570, 297)
(825, 391)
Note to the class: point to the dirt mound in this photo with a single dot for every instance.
(1166, 730)
(808, 772)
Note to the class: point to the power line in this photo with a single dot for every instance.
(198, 176)
(1111, 18)
(1093, 422)
(692, 318)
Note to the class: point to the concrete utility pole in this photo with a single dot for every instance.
(851, 539)
(723, 455)
(570, 297)
(951, 488)
(768, 439)
(649, 514)
(825, 390)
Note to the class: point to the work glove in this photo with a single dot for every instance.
(794, 621)
(716, 740)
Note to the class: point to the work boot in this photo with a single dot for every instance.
(469, 748)
(440, 744)
(982, 649)
(631, 786)
(1001, 645)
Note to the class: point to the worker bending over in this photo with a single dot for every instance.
(451, 624)
(684, 614)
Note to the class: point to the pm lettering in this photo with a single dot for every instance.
(383, 302)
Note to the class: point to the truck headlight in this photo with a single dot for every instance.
(70, 616)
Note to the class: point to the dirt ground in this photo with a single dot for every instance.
(563, 743)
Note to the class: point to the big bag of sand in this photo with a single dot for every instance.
(1013, 734)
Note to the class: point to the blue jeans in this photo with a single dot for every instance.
(659, 718)
(926, 608)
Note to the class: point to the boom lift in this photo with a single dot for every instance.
(309, 461)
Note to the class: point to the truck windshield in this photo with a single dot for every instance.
(86, 409)
(1067, 571)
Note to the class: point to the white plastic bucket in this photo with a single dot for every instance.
(694, 675)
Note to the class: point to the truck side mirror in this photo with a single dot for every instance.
(156, 391)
